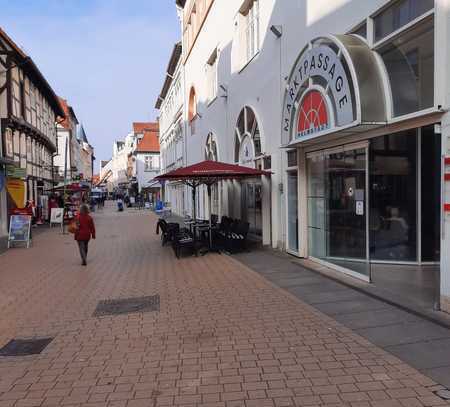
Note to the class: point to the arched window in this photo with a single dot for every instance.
(211, 148)
(247, 136)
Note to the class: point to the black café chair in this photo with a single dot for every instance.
(236, 240)
(184, 239)
(168, 230)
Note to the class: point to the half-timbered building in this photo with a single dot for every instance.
(28, 111)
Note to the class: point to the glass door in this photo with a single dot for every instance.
(337, 208)
(252, 206)
(292, 194)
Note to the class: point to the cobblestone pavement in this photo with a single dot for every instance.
(224, 336)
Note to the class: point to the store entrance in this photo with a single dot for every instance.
(337, 191)
(374, 211)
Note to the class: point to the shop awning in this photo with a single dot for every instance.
(154, 183)
(73, 187)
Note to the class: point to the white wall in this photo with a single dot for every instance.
(59, 159)
(260, 84)
(143, 176)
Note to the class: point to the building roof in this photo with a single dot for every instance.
(82, 135)
(140, 127)
(149, 143)
(173, 62)
(68, 113)
(30, 68)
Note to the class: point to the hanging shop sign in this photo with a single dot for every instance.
(16, 190)
(19, 229)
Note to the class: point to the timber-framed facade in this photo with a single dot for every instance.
(29, 110)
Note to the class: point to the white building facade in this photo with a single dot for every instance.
(346, 102)
(172, 129)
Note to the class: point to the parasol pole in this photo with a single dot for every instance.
(210, 214)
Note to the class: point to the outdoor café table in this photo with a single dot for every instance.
(204, 228)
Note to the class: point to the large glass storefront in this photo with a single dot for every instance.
(376, 202)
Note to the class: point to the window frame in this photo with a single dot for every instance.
(249, 22)
(397, 33)
(212, 76)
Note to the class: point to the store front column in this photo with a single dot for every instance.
(445, 221)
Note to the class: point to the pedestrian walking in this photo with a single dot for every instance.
(85, 230)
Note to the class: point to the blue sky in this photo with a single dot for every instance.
(106, 57)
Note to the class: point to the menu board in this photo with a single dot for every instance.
(19, 229)
(56, 215)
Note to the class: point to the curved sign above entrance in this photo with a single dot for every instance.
(320, 68)
(323, 94)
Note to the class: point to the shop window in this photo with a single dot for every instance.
(247, 126)
(393, 199)
(398, 15)
(409, 61)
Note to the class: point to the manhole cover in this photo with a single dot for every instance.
(443, 394)
(24, 347)
(127, 306)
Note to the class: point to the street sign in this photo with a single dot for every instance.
(19, 229)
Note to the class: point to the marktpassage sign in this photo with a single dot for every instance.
(16, 190)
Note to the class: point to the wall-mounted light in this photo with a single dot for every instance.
(277, 30)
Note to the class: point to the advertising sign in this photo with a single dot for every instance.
(56, 216)
(16, 190)
(19, 229)
(15, 172)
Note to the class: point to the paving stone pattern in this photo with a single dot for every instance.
(423, 344)
(224, 336)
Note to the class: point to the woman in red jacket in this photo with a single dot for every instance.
(86, 229)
